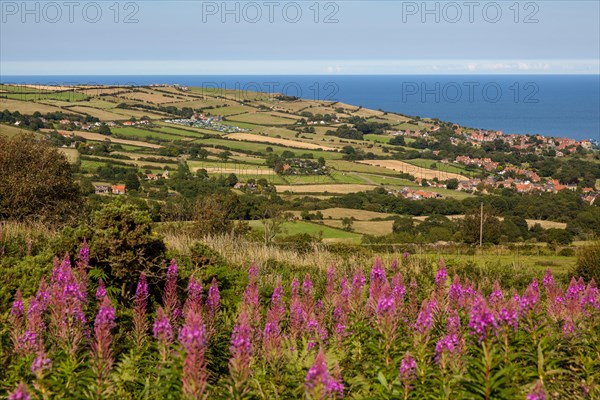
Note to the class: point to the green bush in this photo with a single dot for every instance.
(588, 262)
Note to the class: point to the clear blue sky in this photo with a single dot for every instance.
(369, 37)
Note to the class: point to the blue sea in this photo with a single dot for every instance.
(551, 105)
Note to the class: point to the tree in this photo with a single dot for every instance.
(273, 221)
(132, 182)
(213, 214)
(347, 223)
(104, 130)
(403, 224)
(588, 262)
(123, 244)
(470, 226)
(36, 181)
(224, 155)
(452, 184)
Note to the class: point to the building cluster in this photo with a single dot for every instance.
(418, 194)
(212, 123)
(110, 189)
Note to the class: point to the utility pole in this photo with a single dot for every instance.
(481, 227)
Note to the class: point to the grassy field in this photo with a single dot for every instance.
(452, 168)
(327, 233)
(325, 188)
(72, 154)
(263, 118)
(282, 142)
(142, 133)
(63, 96)
(417, 172)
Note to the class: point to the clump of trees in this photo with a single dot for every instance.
(36, 181)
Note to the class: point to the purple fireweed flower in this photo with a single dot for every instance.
(170, 300)
(377, 272)
(307, 286)
(482, 322)
(575, 290)
(548, 280)
(497, 296)
(214, 298)
(590, 297)
(84, 254)
(530, 298)
(406, 255)
(509, 317)
(253, 273)
(296, 317)
(336, 384)
(20, 393)
(192, 335)
(386, 306)
(18, 309)
(318, 383)
(105, 319)
(441, 276)
(272, 331)
(330, 287)
(27, 342)
(344, 290)
(424, 321)
(455, 293)
(537, 393)
(394, 265)
(408, 368)
(398, 288)
(453, 325)
(295, 289)
(241, 349)
(193, 340)
(140, 325)
(163, 331)
(40, 363)
(194, 296)
(447, 345)
(101, 291)
(358, 282)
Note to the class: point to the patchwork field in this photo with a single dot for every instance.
(417, 172)
(327, 188)
(282, 142)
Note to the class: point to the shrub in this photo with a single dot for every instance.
(588, 262)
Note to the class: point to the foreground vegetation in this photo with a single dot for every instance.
(400, 330)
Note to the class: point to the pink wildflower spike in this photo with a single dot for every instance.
(318, 382)
(394, 265)
(537, 393)
(163, 331)
(405, 255)
(482, 323)
(455, 293)
(214, 297)
(442, 274)
(193, 340)
(424, 321)
(241, 350)
(445, 347)
(101, 347)
(193, 303)
(101, 291)
(548, 280)
(253, 273)
(84, 254)
(497, 296)
(170, 299)
(20, 393)
(140, 323)
(408, 368)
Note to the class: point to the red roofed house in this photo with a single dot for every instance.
(118, 189)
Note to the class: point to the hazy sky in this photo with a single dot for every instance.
(302, 37)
